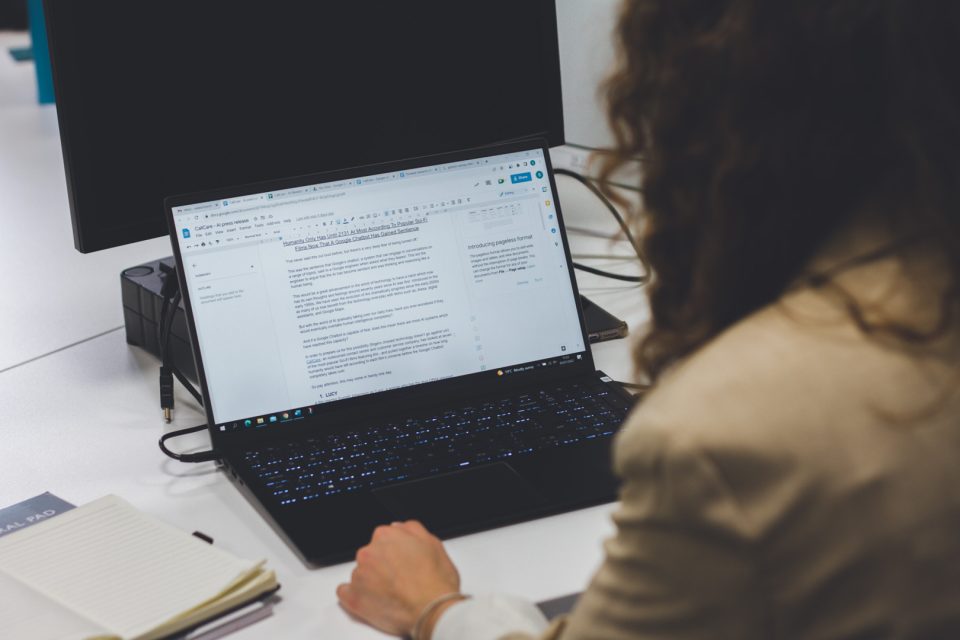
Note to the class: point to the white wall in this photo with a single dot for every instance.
(586, 55)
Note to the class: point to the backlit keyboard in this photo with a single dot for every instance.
(326, 465)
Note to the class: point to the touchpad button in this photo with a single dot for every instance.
(472, 496)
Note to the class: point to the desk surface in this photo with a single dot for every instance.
(53, 296)
(83, 420)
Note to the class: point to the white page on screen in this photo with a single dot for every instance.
(339, 290)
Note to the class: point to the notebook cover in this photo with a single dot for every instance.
(31, 511)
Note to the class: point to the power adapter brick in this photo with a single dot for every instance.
(140, 288)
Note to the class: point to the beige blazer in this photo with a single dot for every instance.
(793, 479)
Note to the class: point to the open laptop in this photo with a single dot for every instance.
(396, 341)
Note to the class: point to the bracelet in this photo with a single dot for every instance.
(429, 609)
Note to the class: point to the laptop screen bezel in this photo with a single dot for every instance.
(344, 412)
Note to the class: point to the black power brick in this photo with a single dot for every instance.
(140, 289)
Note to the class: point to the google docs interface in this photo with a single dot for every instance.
(335, 290)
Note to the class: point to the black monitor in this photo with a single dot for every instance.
(176, 96)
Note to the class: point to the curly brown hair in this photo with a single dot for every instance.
(763, 127)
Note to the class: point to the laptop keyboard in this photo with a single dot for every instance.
(331, 464)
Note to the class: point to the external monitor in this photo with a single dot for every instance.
(161, 98)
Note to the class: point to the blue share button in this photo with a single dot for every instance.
(517, 178)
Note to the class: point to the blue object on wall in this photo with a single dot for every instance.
(21, 54)
(41, 53)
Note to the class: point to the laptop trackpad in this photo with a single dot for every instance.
(468, 497)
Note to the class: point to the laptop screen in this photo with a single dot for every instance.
(334, 290)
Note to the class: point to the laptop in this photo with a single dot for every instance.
(392, 342)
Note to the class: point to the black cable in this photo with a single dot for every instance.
(172, 295)
(187, 384)
(166, 393)
(595, 190)
(168, 369)
(589, 232)
(589, 184)
(170, 292)
(582, 147)
(166, 366)
(203, 456)
(609, 274)
(168, 327)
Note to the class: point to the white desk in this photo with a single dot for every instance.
(83, 421)
(52, 296)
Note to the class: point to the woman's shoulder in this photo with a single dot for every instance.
(819, 452)
(803, 364)
(797, 399)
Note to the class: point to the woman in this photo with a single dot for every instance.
(795, 471)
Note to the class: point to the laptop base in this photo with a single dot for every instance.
(330, 528)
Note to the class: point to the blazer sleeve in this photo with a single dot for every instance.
(682, 564)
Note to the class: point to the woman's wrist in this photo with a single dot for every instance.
(424, 626)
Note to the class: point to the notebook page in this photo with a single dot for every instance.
(24, 613)
(118, 567)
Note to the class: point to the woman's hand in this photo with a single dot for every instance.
(398, 574)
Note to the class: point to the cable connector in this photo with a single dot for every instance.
(170, 283)
(166, 393)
